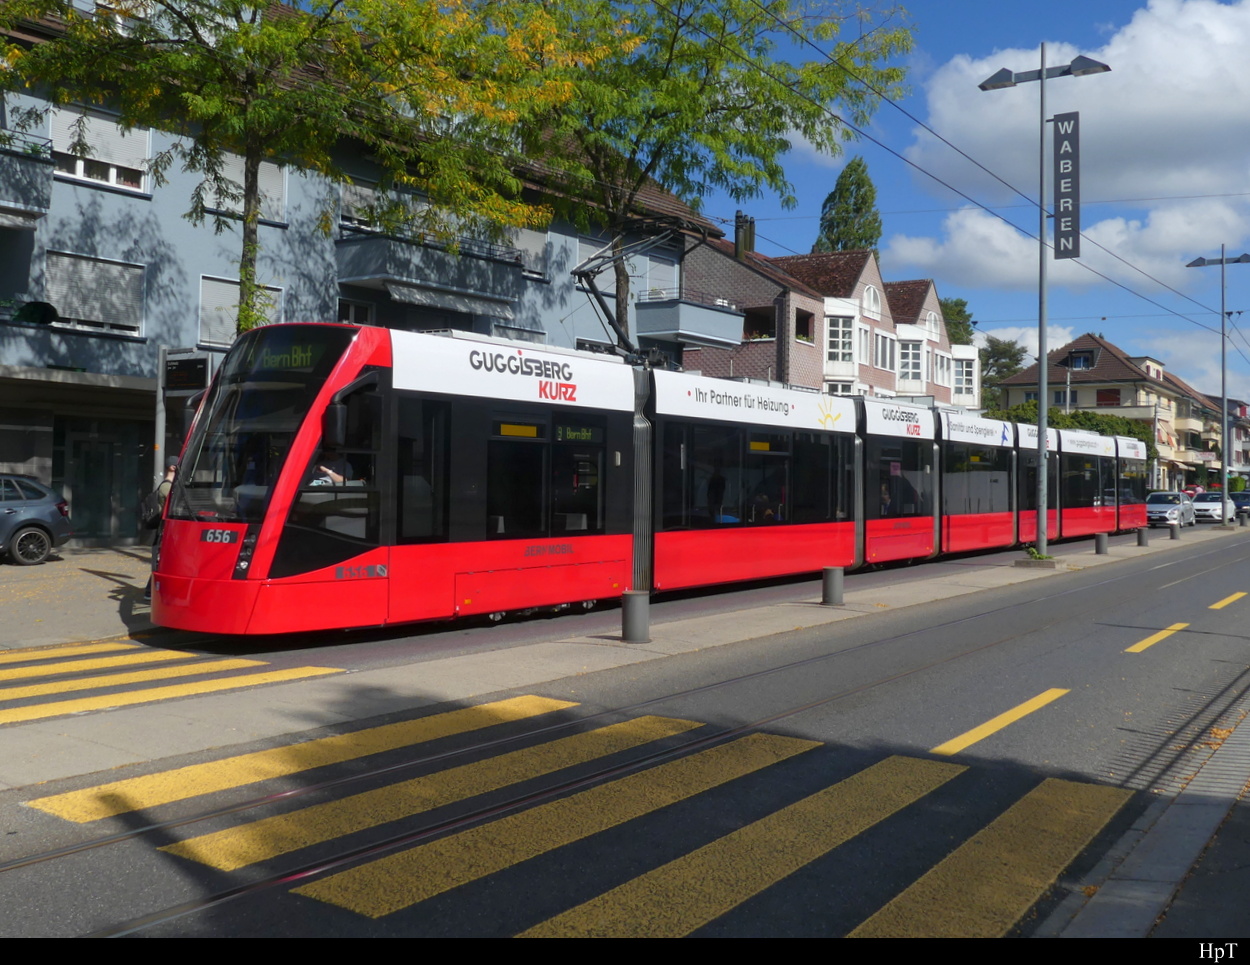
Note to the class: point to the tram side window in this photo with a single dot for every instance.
(516, 474)
(899, 478)
(823, 478)
(702, 476)
(976, 479)
(577, 455)
(336, 513)
(766, 477)
(675, 504)
(423, 470)
(1083, 481)
(715, 466)
(339, 496)
(1132, 481)
(1027, 491)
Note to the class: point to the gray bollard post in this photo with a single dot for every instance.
(1241, 519)
(1142, 538)
(831, 586)
(1176, 530)
(1100, 544)
(636, 616)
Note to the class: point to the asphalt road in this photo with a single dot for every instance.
(958, 767)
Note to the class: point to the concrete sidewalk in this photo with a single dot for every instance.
(79, 594)
(96, 594)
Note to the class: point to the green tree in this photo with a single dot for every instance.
(1100, 422)
(430, 90)
(704, 95)
(849, 219)
(1000, 359)
(959, 322)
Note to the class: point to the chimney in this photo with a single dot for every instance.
(744, 235)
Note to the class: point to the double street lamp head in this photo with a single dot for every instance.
(1080, 67)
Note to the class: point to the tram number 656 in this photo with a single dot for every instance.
(219, 536)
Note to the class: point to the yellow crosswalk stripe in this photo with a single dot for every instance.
(398, 881)
(130, 698)
(984, 887)
(685, 894)
(86, 666)
(166, 787)
(121, 679)
(236, 848)
(69, 650)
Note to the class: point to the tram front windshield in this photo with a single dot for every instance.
(260, 398)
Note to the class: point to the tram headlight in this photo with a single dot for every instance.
(244, 559)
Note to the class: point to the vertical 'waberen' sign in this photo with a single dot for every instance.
(1067, 185)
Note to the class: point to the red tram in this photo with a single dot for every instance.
(340, 476)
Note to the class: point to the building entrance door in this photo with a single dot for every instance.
(103, 475)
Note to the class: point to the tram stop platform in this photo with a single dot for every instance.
(1181, 871)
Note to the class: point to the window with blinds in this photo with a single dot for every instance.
(533, 247)
(91, 147)
(272, 188)
(219, 309)
(356, 206)
(93, 294)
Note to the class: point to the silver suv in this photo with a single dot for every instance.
(33, 519)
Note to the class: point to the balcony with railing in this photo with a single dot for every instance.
(688, 317)
(405, 266)
(26, 169)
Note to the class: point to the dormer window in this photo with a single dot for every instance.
(872, 302)
(1081, 360)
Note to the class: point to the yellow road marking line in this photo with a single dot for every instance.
(1226, 601)
(400, 880)
(957, 744)
(61, 707)
(66, 650)
(98, 663)
(120, 679)
(685, 894)
(236, 848)
(153, 790)
(984, 887)
(1150, 641)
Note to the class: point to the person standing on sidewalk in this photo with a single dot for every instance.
(162, 491)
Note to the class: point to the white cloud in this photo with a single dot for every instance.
(1167, 123)
(1195, 357)
(980, 250)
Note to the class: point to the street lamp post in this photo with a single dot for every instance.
(1242, 259)
(1002, 79)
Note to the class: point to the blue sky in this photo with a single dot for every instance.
(1165, 152)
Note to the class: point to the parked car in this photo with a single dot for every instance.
(1242, 502)
(33, 519)
(1170, 509)
(1215, 507)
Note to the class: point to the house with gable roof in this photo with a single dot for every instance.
(828, 322)
(1093, 374)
